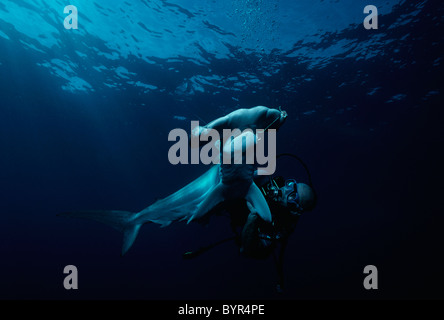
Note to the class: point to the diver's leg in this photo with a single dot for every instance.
(257, 200)
(279, 261)
(252, 245)
(214, 197)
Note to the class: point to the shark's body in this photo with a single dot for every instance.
(179, 206)
(220, 183)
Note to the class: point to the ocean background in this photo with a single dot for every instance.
(84, 122)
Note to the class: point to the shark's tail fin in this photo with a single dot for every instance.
(123, 221)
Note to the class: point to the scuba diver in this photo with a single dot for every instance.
(257, 239)
(287, 200)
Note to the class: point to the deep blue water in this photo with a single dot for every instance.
(85, 115)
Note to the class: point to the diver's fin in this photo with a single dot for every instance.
(119, 220)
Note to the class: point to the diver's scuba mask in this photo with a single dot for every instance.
(288, 194)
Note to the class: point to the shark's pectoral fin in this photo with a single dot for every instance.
(215, 196)
(129, 235)
(257, 200)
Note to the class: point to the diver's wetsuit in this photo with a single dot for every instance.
(259, 239)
